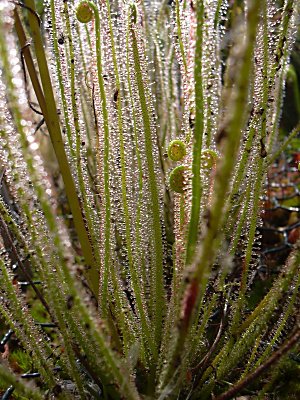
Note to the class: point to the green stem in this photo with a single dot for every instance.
(234, 196)
(198, 135)
(158, 289)
(289, 308)
(29, 332)
(232, 134)
(284, 145)
(231, 137)
(107, 220)
(60, 81)
(141, 263)
(259, 174)
(132, 264)
(88, 213)
(179, 33)
(53, 125)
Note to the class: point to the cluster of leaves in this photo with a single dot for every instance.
(135, 142)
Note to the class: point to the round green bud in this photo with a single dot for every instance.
(177, 178)
(209, 158)
(176, 150)
(84, 12)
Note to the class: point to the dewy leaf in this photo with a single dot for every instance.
(158, 289)
(53, 125)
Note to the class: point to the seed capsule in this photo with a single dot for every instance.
(176, 150)
(209, 158)
(177, 179)
(84, 13)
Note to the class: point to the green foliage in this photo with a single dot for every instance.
(287, 384)
(145, 268)
(22, 359)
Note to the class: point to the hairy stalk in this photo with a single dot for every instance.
(178, 22)
(107, 260)
(88, 213)
(60, 80)
(288, 309)
(271, 80)
(284, 145)
(29, 329)
(254, 325)
(232, 134)
(260, 161)
(53, 125)
(198, 134)
(271, 360)
(132, 265)
(158, 289)
(148, 288)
